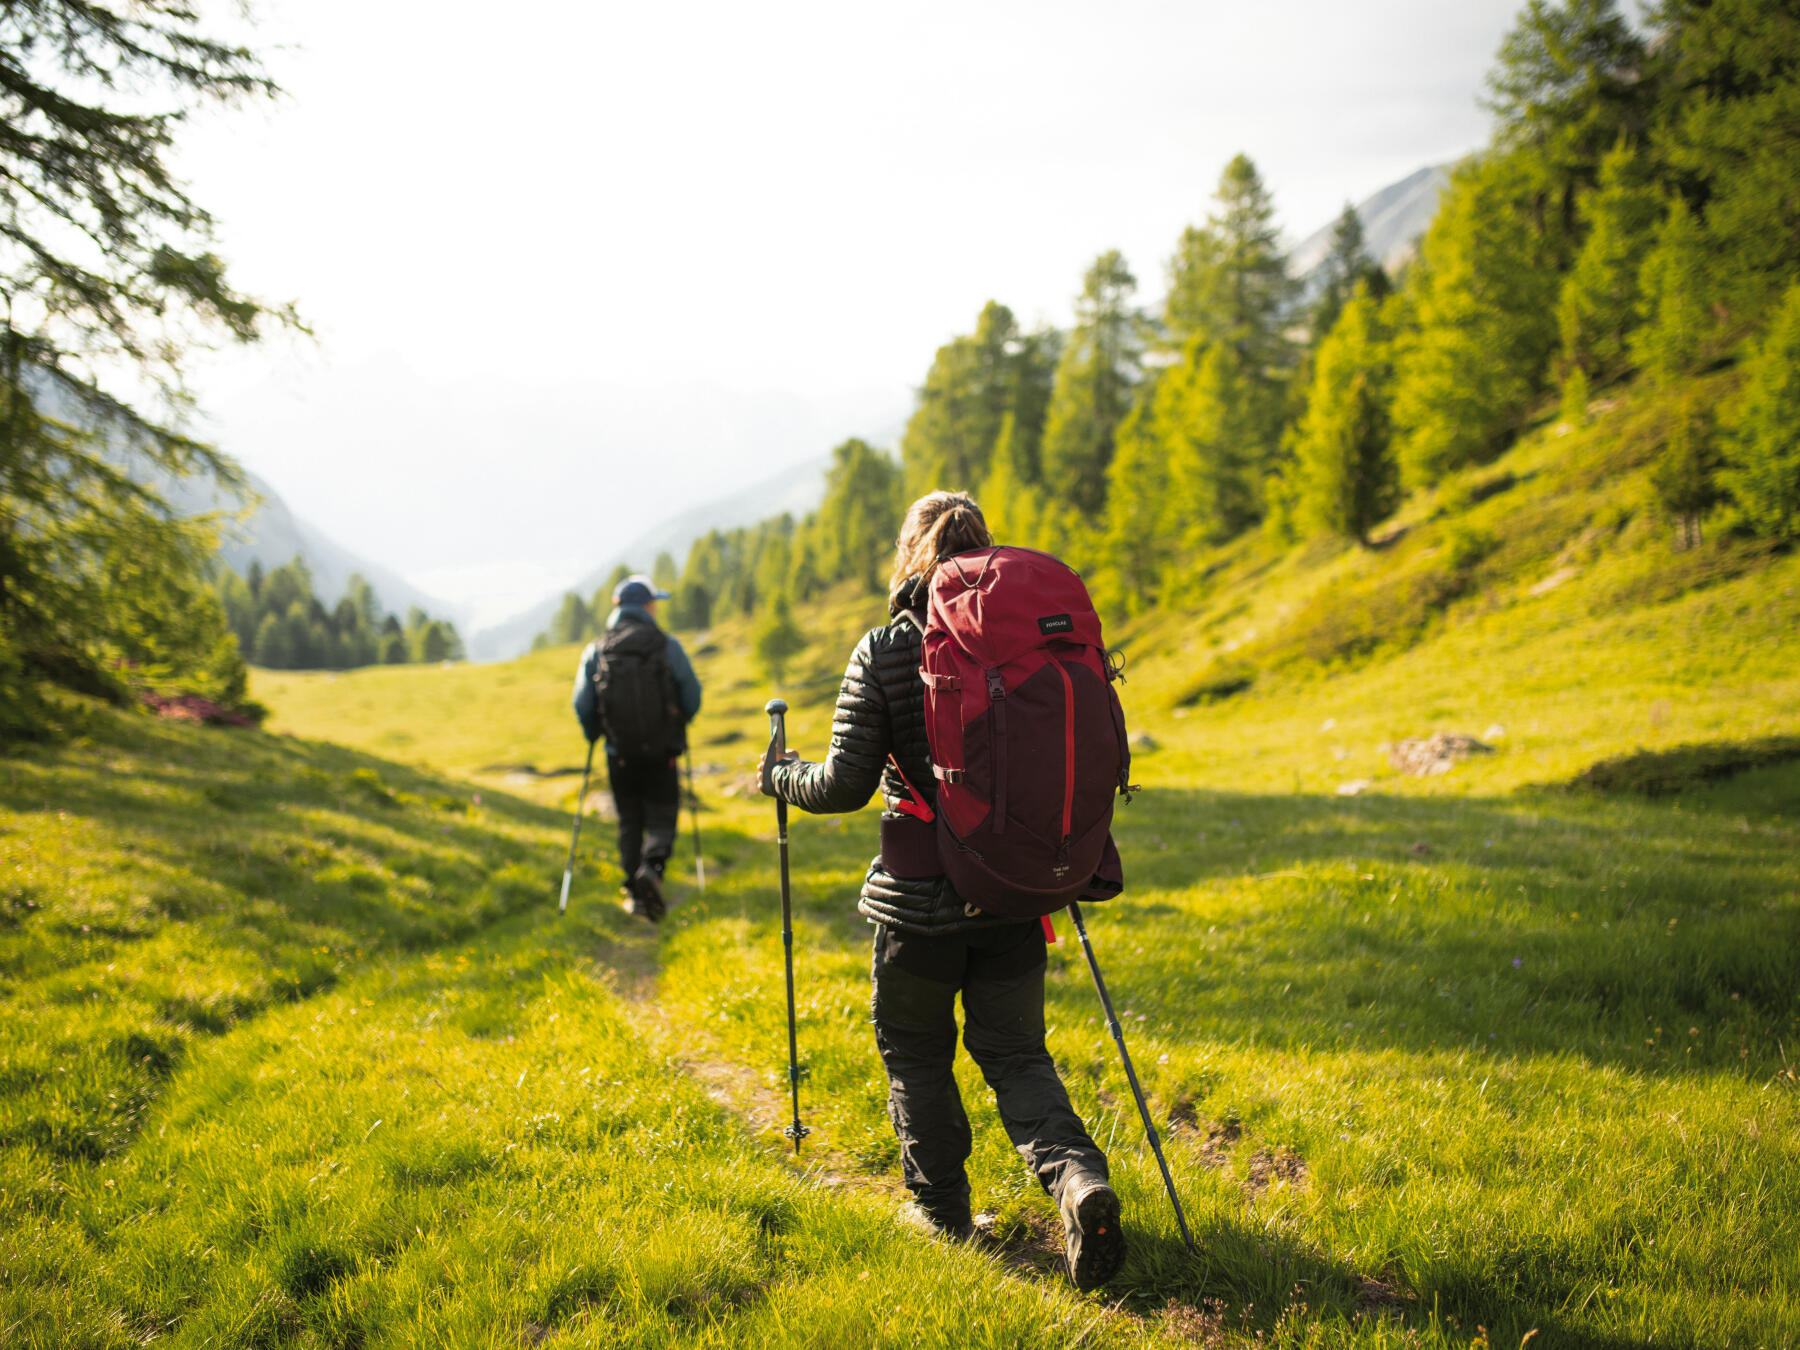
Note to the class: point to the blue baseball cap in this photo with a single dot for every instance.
(637, 590)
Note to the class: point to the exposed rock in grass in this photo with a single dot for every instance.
(1435, 754)
(1355, 787)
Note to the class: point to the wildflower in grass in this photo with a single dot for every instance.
(1518, 962)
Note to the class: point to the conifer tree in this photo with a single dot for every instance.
(1482, 306)
(1567, 85)
(1600, 306)
(663, 574)
(1206, 425)
(1673, 286)
(1092, 390)
(859, 517)
(1229, 282)
(966, 393)
(1733, 71)
(1685, 475)
(1137, 535)
(1345, 266)
(574, 621)
(778, 638)
(1764, 473)
(1347, 477)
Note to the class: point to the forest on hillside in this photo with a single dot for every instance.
(1634, 218)
(280, 624)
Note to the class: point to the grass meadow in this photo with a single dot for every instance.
(297, 1053)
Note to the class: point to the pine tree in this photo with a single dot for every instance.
(1136, 545)
(1566, 88)
(778, 637)
(1347, 478)
(574, 621)
(1673, 286)
(1600, 304)
(859, 517)
(1207, 426)
(1344, 267)
(1092, 390)
(1685, 476)
(1764, 473)
(1483, 326)
(968, 390)
(1734, 112)
(663, 574)
(1229, 283)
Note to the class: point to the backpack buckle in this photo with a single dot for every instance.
(996, 686)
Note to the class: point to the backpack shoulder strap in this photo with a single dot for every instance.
(911, 618)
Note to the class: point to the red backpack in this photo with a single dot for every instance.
(1027, 736)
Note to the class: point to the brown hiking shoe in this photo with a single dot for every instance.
(1093, 1244)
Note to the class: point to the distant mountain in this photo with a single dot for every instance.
(797, 490)
(1392, 220)
(274, 535)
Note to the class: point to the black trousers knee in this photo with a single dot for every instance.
(1000, 974)
(647, 795)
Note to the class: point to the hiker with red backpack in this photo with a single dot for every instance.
(983, 712)
(637, 688)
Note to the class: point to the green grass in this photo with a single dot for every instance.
(1464, 1052)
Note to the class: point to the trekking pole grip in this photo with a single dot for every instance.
(777, 710)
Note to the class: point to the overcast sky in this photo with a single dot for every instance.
(574, 266)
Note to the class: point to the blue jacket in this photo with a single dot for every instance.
(587, 701)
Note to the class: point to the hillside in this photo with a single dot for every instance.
(1468, 1049)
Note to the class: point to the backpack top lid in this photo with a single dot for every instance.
(1003, 601)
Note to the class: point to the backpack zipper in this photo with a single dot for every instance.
(1062, 855)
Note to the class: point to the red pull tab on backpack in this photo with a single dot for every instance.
(1049, 928)
(917, 808)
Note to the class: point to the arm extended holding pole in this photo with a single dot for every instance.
(777, 710)
(1112, 1025)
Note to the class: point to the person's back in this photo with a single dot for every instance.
(637, 688)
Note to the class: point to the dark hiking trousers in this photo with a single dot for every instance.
(647, 795)
(1000, 972)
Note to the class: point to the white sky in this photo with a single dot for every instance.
(574, 266)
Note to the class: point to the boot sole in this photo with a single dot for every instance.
(1102, 1244)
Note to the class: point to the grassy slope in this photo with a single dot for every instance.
(294, 1052)
(1456, 1052)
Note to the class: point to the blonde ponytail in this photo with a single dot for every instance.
(938, 525)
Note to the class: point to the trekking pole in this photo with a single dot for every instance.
(777, 710)
(1112, 1025)
(694, 810)
(569, 871)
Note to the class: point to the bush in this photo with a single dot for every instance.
(1664, 773)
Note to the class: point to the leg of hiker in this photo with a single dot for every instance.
(661, 785)
(1003, 1027)
(628, 803)
(914, 1007)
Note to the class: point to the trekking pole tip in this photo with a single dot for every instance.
(775, 706)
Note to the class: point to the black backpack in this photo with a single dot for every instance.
(640, 708)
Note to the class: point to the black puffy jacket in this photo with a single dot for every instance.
(881, 711)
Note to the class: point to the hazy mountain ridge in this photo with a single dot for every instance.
(797, 490)
(1393, 219)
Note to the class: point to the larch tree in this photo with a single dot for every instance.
(1764, 472)
(108, 273)
(1348, 480)
(1093, 388)
(1600, 304)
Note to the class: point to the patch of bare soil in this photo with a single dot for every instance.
(1204, 1325)
(1031, 1244)
(1210, 1139)
(1267, 1166)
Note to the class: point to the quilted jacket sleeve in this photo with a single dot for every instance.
(861, 738)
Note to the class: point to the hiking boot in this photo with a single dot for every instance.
(1092, 1242)
(921, 1220)
(646, 892)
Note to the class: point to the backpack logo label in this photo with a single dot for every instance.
(1056, 623)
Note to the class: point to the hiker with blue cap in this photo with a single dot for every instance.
(636, 687)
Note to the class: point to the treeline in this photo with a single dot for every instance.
(281, 625)
(1635, 216)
